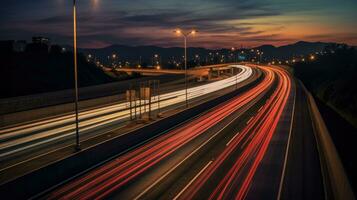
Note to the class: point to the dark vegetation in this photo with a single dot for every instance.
(39, 69)
(344, 137)
(332, 78)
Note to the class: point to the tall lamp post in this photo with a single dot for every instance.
(185, 35)
(78, 146)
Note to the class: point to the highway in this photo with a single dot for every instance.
(47, 132)
(219, 154)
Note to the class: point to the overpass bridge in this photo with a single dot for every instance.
(208, 71)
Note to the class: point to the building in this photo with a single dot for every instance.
(38, 45)
(41, 40)
(20, 45)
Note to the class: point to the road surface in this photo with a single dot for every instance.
(235, 150)
(56, 131)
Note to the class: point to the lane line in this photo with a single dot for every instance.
(250, 120)
(188, 156)
(246, 73)
(287, 150)
(194, 178)
(232, 139)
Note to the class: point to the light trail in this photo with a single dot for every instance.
(28, 136)
(235, 184)
(101, 182)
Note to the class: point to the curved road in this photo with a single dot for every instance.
(217, 155)
(44, 133)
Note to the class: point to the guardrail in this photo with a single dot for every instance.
(335, 179)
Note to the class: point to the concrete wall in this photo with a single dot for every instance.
(33, 107)
(57, 110)
(22, 103)
(336, 182)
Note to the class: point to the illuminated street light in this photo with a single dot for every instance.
(312, 57)
(78, 145)
(185, 35)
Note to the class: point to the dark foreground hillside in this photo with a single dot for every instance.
(31, 72)
(332, 78)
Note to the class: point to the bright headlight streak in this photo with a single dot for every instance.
(49, 130)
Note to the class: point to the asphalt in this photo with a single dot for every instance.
(169, 186)
(56, 153)
(289, 168)
(266, 182)
(156, 185)
(303, 178)
(85, 135)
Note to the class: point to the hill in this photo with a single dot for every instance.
(133, 53)
(24, 73)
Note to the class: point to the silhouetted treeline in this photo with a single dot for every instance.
(39, 69)
(332, 77)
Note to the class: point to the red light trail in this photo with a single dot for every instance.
(108, 178)
(261, 129)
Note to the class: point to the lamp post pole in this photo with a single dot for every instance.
(185, 38)
(185, 35)
(78, 147)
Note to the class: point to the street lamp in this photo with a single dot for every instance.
(185, 35)
(78, 146)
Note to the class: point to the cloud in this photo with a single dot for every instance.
(145, 22)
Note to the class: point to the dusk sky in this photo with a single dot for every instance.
(221, 23)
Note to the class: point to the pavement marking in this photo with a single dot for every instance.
(232, 139)
(194, 178)
(188, 156)
(250, 120)
(287, 150)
